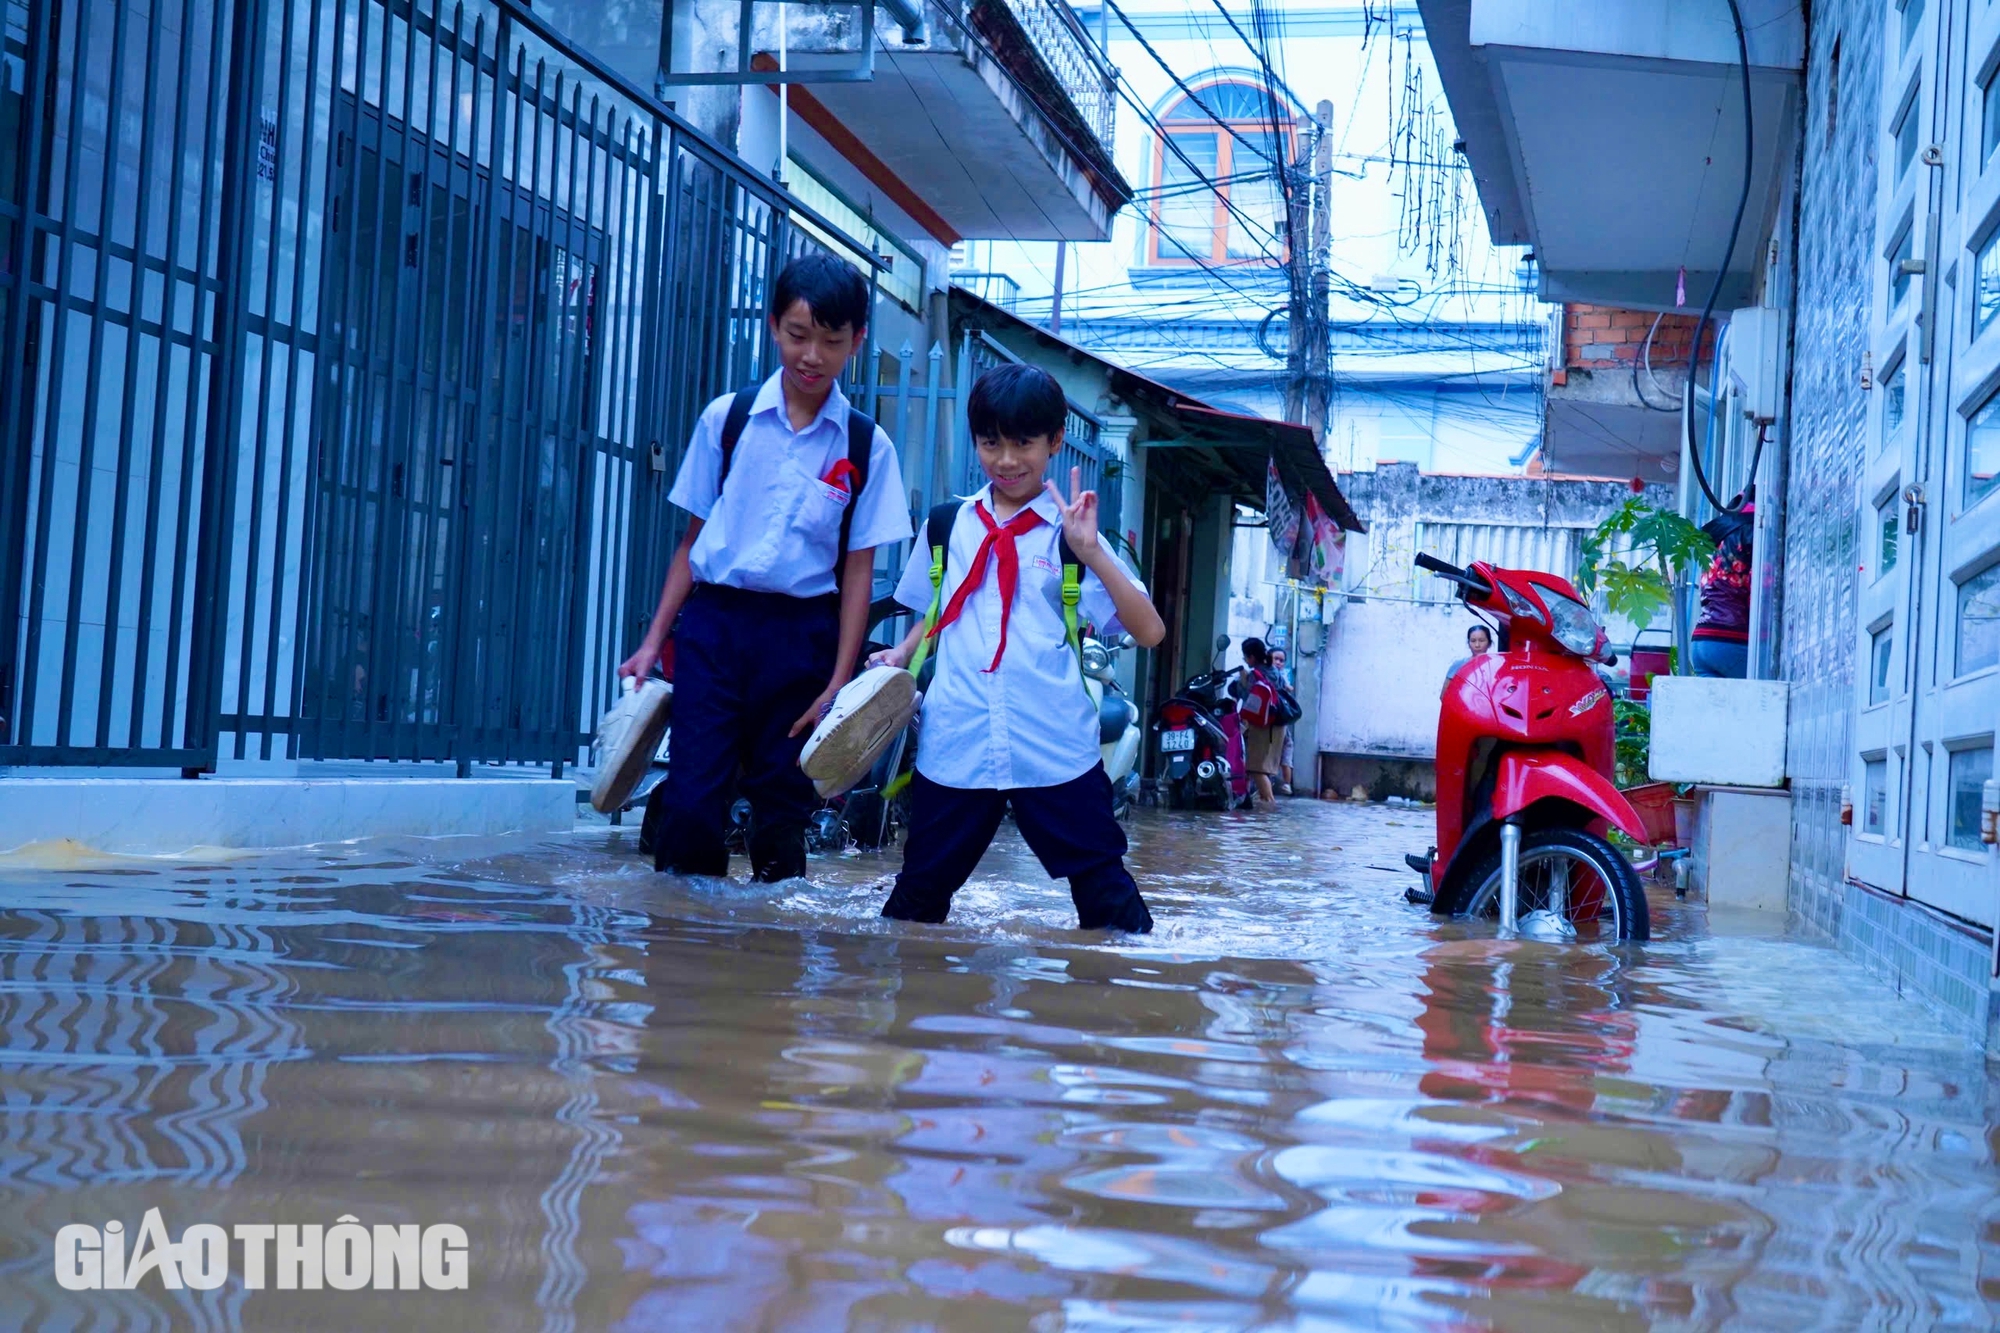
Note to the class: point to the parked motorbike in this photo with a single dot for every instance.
(1118, 732)
(1199, 748)
(1524, 771)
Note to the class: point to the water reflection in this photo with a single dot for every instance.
(657, 1105)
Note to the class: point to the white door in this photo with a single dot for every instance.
(1930, 627)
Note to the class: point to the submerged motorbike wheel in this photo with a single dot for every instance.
(871, 820)
(1566, 873)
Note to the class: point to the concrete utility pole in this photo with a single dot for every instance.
(1310, 232)
(1319, 379)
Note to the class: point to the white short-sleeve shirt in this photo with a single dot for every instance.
(776, 525)
(1028, 723)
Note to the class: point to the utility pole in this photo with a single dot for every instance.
(1310, 235)
(1319, 378)
(1055, 306)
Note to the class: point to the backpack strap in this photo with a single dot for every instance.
(860, 450)
(1072, 594)
(732, 431)
(860, 453)
(937, 536)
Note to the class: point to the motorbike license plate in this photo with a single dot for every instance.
(1172, 742)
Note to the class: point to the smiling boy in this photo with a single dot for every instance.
(790, 491)
(1006, 719)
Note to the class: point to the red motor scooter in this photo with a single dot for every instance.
(1524, 765)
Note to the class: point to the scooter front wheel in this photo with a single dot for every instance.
(1575, 879)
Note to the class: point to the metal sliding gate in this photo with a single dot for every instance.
(349, 348)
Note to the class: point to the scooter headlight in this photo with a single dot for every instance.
(1571, 623)
(1095, 660)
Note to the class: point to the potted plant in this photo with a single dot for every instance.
(1644, 557)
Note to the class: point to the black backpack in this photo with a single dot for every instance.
(1285, 708)
(860, 450)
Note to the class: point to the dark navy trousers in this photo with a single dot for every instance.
(747, 665)
(1069, 827)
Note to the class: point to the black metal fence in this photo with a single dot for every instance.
(347, 349)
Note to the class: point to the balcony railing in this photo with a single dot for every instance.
(1086, 78)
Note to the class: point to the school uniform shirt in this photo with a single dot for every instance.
(1027, 723)
(776, 525)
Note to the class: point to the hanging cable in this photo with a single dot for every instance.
(1189, 93)
(1646, 356)
(1715, 288)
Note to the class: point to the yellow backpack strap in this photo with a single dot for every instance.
(1072, 595)
(937, 535)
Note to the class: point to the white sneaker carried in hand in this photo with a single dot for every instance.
(627, 737)
(865, 717)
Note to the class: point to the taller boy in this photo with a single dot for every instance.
(771, 584)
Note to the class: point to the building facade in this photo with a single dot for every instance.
(1858, 347)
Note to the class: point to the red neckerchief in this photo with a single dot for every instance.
(999, 537)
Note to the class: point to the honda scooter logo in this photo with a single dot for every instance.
(1588, 702)
(289, 1257)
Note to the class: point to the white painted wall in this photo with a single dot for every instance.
(1382, 677)
(1774, 30)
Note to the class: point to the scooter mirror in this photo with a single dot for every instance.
(1222, 643)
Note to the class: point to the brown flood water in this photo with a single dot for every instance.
(1302, 1104)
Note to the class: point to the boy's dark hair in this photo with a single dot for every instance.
(1017, 401)
(834, 291)
(1255, 653)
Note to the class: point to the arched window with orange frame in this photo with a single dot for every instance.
(1241, 220)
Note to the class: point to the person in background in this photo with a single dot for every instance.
(1478, 643)
(1262, 745)
(1721, 641)
(1283, 676)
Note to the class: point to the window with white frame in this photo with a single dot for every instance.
(1881, 648)
(1893, 401)
(1986, 282)
(1981, 462)
(1899, 265)
(1970, 770)
(1904, 131)
(1978, 621)
(1887, 527)
(1989, 116)
(1875, 795)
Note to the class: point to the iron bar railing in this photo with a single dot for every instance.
(348, 347)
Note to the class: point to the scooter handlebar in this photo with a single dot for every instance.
(1469, 582)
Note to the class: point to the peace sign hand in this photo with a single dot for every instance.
(1079, 515)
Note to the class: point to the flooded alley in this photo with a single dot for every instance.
(661, 1105)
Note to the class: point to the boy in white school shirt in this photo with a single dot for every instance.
(1006, 719)
(790, 490)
